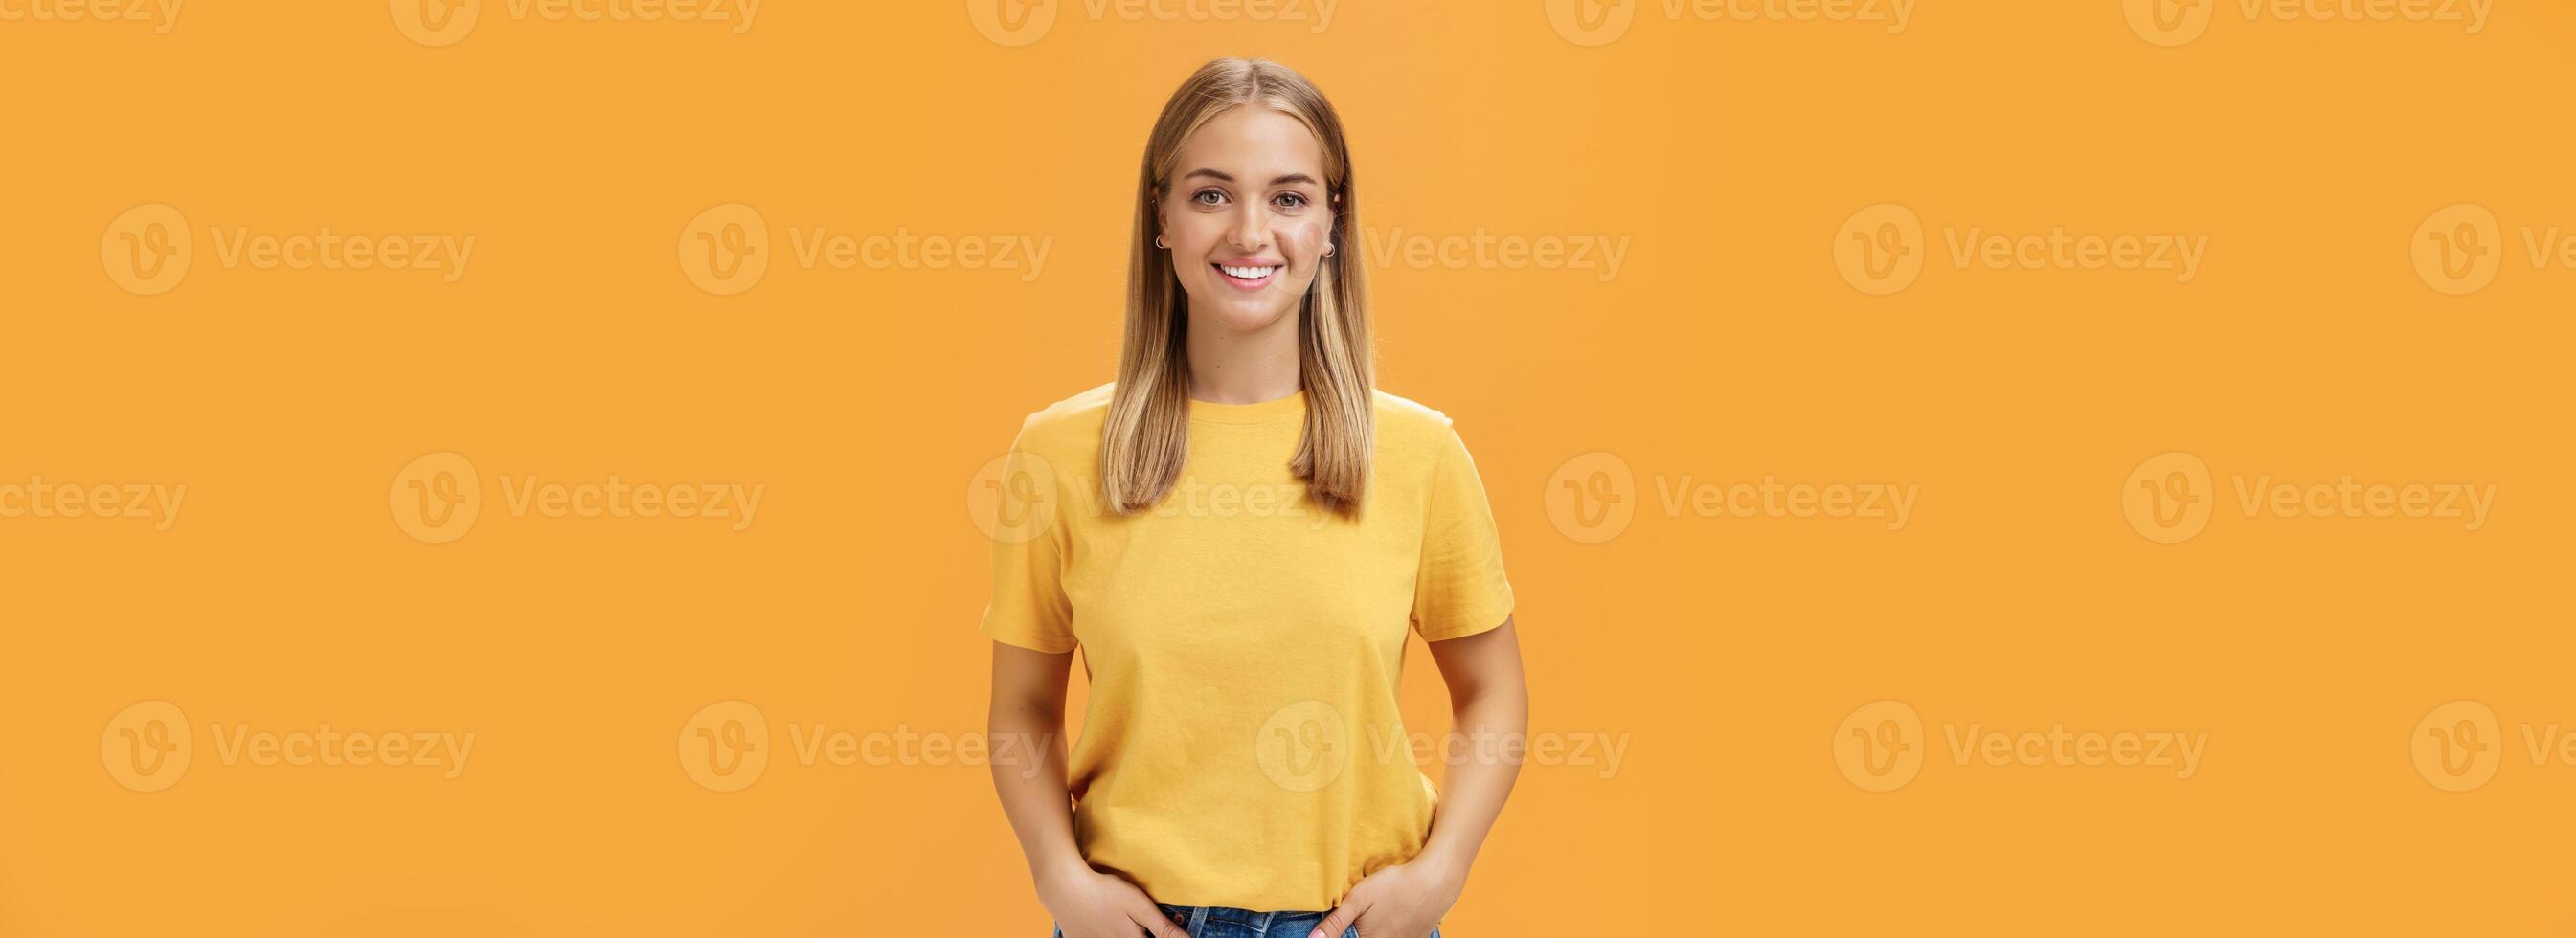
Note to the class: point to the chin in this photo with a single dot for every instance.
(1237, 314)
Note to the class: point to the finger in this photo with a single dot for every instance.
(1339, 921)
(1156, 923)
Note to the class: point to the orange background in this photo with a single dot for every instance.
(1727, 650)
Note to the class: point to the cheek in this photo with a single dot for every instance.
(1305, 240)
(1192, 245)
(1188, 236)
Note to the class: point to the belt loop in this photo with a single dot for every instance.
(1198, 919)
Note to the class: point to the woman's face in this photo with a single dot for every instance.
(1247, 218)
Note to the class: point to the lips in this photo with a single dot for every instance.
(1247, 276)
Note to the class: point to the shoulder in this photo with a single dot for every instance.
(1067, 427)
(1409, 431)
(1407, 414)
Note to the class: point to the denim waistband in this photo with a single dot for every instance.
(1208, 921)
(1203, 921)
(1191, 916)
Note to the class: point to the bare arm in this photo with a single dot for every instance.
(1027, 729)
(1489, 710)
(1489, 706)
(1026, 725)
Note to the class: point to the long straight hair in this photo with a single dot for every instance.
(1146, 436)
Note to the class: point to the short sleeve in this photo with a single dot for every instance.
(1028, 608)
(1460, 589)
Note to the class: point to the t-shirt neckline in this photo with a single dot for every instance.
(1270, 411)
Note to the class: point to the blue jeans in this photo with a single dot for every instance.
(1218, 922)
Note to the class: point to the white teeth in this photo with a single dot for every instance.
(1247, 273)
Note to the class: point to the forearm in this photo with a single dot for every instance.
(1489, 737)
(1031, 784)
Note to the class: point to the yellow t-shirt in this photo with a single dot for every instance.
(1242, 745)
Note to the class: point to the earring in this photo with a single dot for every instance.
(1158, 242)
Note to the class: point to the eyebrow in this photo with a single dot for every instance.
(1281, 181)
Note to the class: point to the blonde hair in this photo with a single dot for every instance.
(1146, 436)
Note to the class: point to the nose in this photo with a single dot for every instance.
(1250, 232)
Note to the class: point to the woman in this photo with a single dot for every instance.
(1238, 533)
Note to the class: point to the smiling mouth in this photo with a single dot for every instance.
(1246, 276)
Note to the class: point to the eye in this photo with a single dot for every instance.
(1289, 200)
(1208, 197)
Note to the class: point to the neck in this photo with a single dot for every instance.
(1228, 367)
